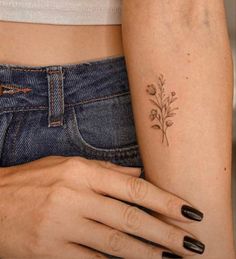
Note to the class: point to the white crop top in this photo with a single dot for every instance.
(83, 12)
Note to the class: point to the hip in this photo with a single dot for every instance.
(83, 109)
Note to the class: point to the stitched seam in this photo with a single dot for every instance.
(55, 120)
(66, 105)
(54, 72)
(60, 93)
(125, 152)
(51, 99)
(24, 108)
(119, 152)
(27, 69)
(104, 60)
(98, 99)
(11, 86)
(131, 148)
(33, 70)
(5, 136)
(16, 133)
(55, 123)
(13, 89)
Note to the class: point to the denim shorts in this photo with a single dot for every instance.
(81, 109)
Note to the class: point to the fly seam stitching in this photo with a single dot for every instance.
(17, 130)
(60, 92)
(51, 97)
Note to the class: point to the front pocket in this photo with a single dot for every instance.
(105, 126)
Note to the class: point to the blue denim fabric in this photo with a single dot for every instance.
(79, 109)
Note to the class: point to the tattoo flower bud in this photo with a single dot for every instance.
(173, 93)
(169, 123)
(151, 89)
(152, 117)
(153, 114)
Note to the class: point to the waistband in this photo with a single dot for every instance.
(55, 87)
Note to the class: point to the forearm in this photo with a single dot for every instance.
(183, 48)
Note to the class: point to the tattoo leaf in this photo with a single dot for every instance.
(155, 103)
(174, 99)
(171, 110)
(156, 126)
(171, 114)
(167, 100)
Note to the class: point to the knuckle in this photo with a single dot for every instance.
(71, 162)
(56, 194)
(152, 252)
(108, 164)
(172, 205)
(87, 170)
(98, 256)
(66, 168)
(172, 236)
(116, 241)
(132, 218)
(137, 188)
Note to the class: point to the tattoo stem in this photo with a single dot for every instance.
(164, 111)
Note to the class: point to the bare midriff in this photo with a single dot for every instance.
(35, 44)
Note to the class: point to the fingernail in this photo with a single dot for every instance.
(191, 213)
(170, 255)
(193, 245)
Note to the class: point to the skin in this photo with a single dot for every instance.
(187, 42)
(54, 206)
(46, 228)
(33, 44)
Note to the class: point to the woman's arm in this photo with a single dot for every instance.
(180, 72)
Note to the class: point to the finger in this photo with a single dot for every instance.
(74, 251)
(113, 242)
(141, 192)
(135, 221)
(134, 171)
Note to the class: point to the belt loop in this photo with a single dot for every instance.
(55, 96)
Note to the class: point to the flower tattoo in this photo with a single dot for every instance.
(162, 110)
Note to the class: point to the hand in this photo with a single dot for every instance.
(65, 207)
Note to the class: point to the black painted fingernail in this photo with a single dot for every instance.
(191, 213)
(193, 245)
(170, 255)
